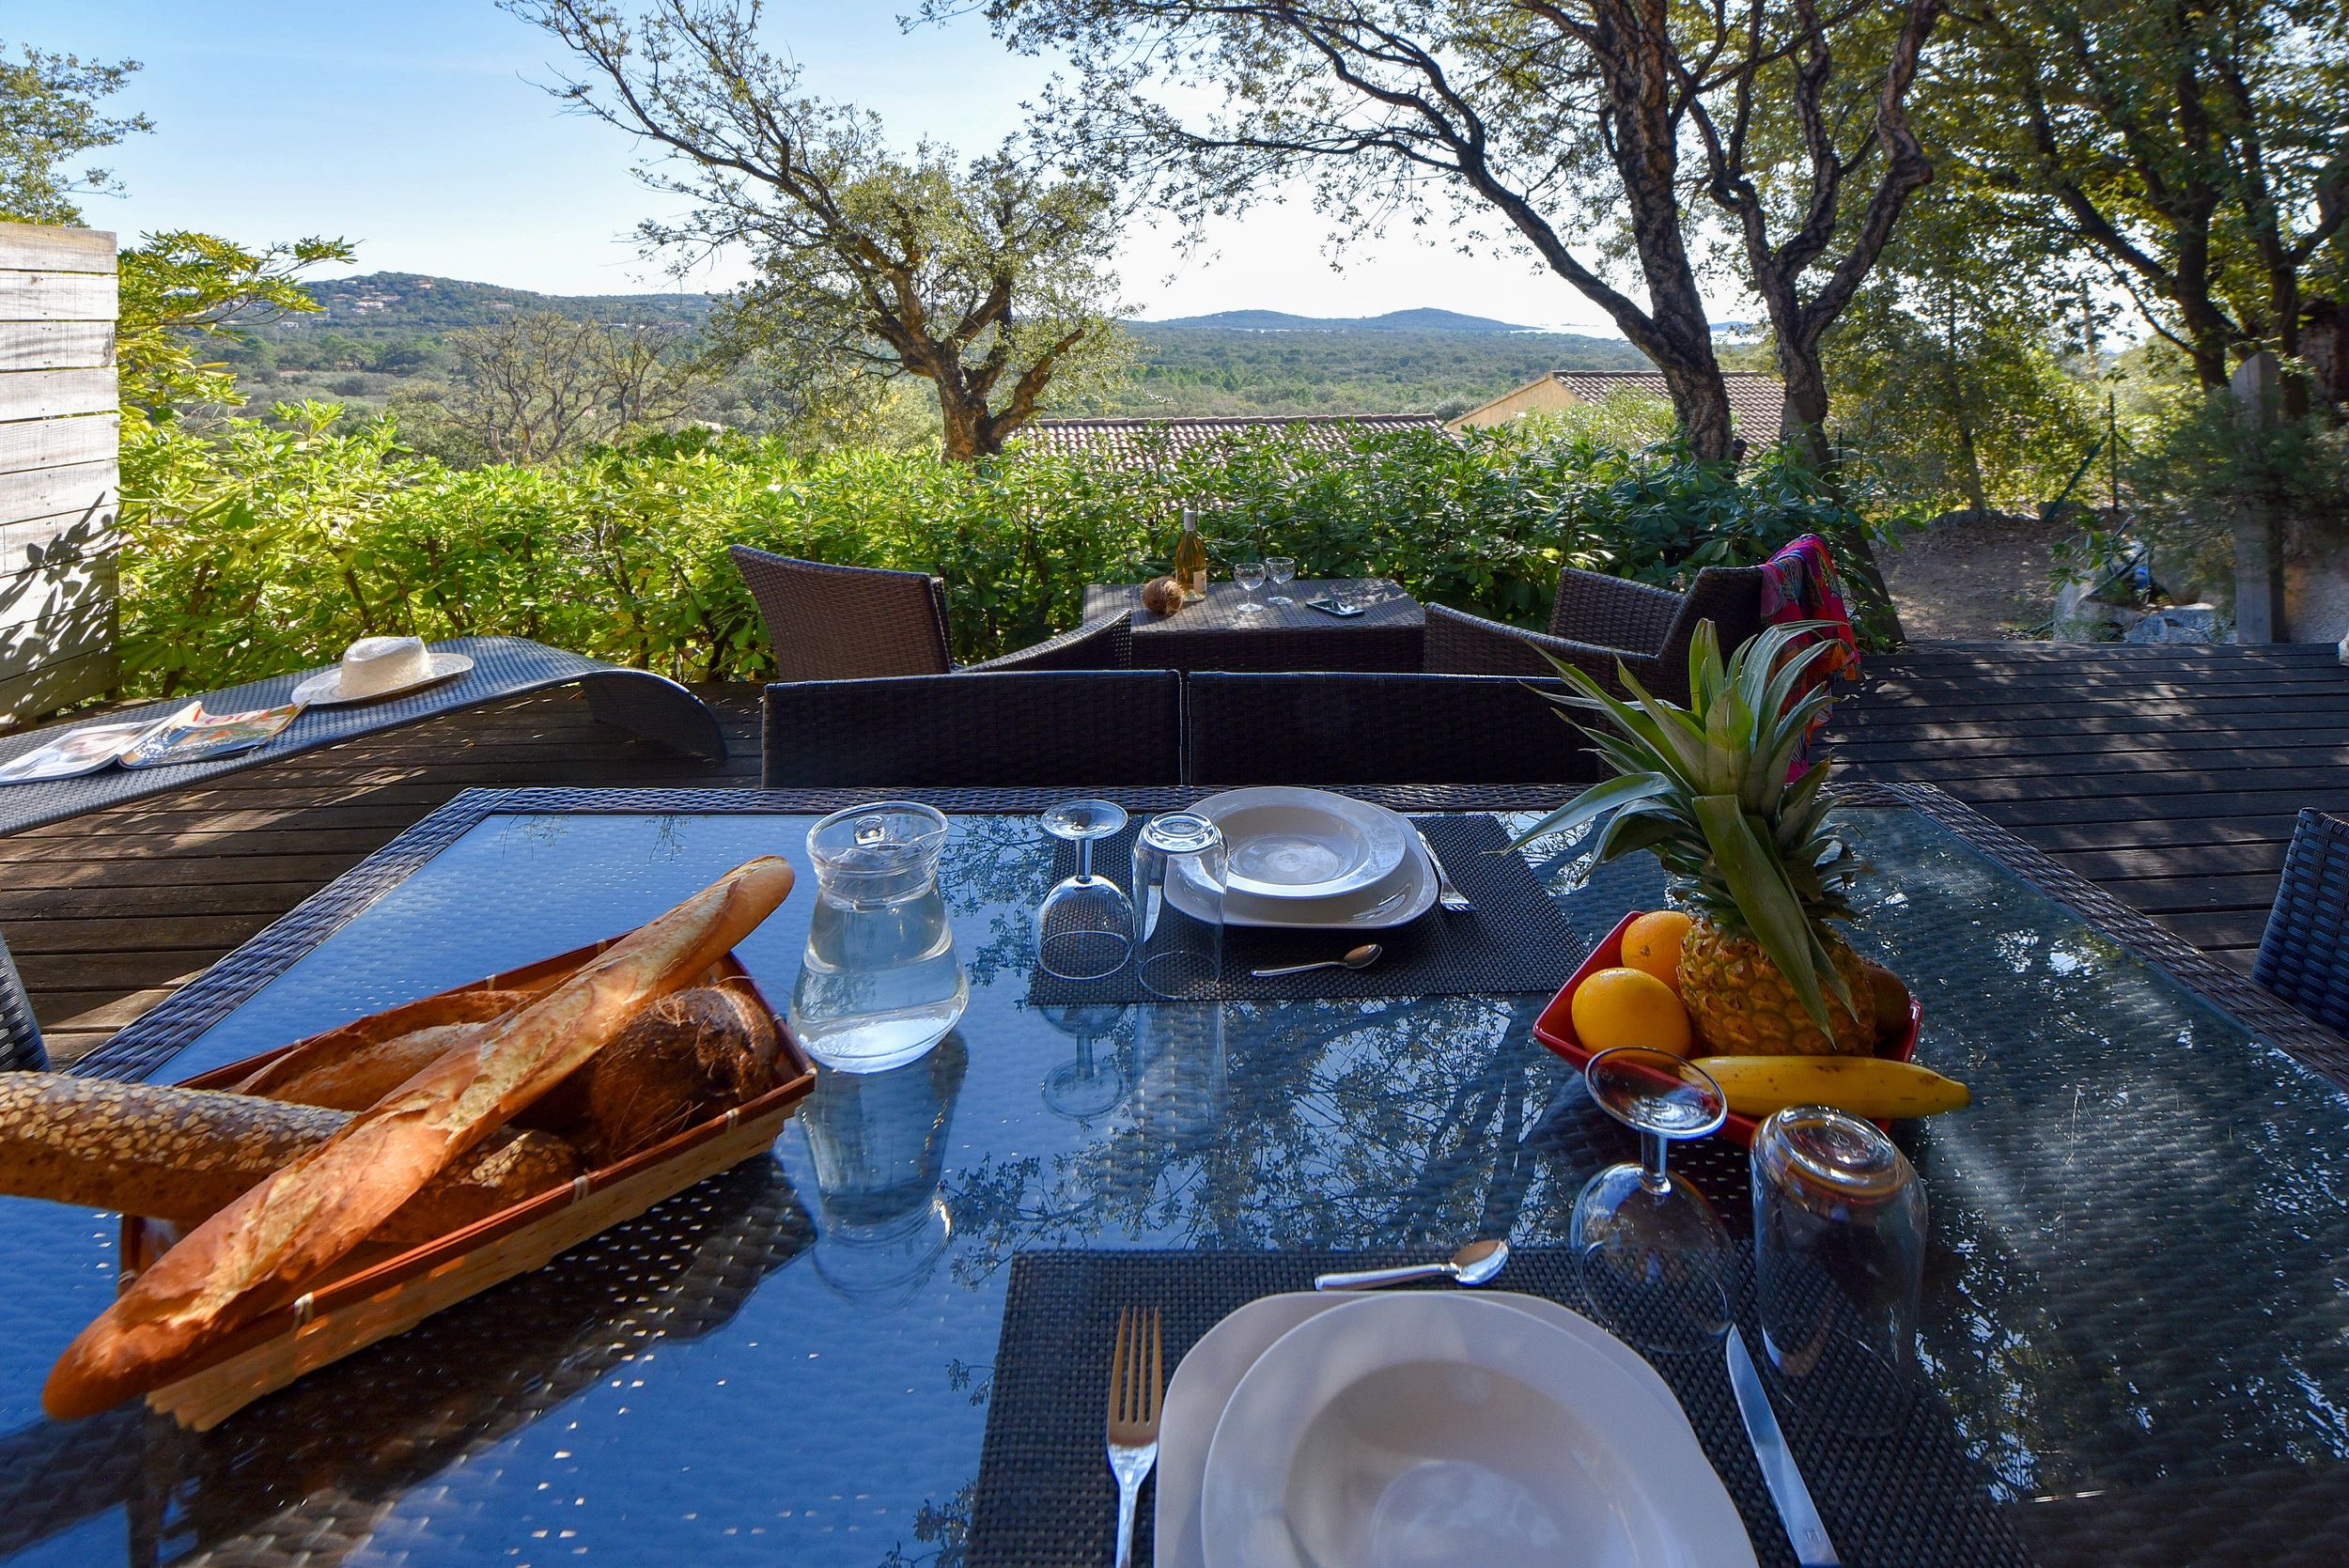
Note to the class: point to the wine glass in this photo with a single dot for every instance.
(1250, 576)
(1085, 926)
(1656, 1260)
(1281, 571)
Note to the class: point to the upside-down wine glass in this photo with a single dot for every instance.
(1085, 926)
(1655, 1259)
(1280, 570)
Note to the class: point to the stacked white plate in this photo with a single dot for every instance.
(1431, 1430)
(1307, 857)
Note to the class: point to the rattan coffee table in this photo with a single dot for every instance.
(2132, 1305)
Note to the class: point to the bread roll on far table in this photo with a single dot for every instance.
(273, 1241)
(182, 1154)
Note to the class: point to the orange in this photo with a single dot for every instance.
(1652, 943)
(1629, 1007)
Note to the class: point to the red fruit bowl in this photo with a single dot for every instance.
(1555, 1027)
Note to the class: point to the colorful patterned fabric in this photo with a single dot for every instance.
(1798, 583)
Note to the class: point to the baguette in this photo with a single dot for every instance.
(182, 1154)
(264, 1249)
(351, 1067)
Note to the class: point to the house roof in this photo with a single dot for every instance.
(1137, 440)
(1756, 402)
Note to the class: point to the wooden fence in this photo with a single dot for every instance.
(59, 432)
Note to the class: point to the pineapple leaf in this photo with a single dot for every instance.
(1794, 811)
(1757, 882)
(1634, 828)
(1692, 748)
(1781, 684)
(1599, 797)
(1705, 674)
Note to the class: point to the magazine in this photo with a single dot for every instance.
(186, 735)
(192, 735)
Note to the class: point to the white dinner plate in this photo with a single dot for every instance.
(1429, 1429)
(1211, 1369)
(1373, 910)
(1281, 842)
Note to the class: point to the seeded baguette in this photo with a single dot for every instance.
(182, 1154)
(266, 1247)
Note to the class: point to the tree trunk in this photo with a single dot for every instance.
(1700, 403)
(964, 435)
(1802, 426)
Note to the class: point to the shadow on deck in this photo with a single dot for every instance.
(2169, 776)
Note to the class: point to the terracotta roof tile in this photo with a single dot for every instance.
(1755, 401)
(1134, 439)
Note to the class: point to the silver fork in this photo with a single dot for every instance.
(1446, 894)
(1137, 1379)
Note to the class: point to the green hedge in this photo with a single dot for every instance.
(256, 547)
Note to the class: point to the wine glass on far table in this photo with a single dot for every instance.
(1655, 1260)
(1280, 570)
(1250, 576)
(1085, 927)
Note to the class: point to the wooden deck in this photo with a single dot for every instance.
(2169, 776)
(107, 914)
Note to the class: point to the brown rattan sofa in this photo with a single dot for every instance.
(1352, 727)
(1600, 621)
(855, 623)
(982, 728)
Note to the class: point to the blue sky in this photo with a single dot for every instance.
(414, 127)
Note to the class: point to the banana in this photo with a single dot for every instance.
(1866, 1086)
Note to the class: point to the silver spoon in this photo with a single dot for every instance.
(1357, 958)
(1472, 1265)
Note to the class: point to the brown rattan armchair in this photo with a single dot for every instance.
(858, 623)
(1598, 622)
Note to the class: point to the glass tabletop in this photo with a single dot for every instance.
(2135, 1280)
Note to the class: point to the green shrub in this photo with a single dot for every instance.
(257, 548)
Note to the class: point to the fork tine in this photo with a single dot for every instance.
(1157, 1367)
(1118, 1369)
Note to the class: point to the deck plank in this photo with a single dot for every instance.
(2169, 777)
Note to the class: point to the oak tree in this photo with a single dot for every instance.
(984, 278)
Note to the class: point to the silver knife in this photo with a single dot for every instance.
(1812, 1549)
(1446, 894)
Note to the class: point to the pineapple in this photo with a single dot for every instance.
(1712, 790)
(1742, 1005)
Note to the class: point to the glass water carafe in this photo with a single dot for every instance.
(879, 984)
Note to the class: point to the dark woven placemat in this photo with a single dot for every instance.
(1514, 939)
(1046, 1498)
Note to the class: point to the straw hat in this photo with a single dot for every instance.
(375, 667)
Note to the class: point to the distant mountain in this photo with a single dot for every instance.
(410, 303)
(1424, 319)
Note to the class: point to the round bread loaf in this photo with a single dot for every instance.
(681, 1060)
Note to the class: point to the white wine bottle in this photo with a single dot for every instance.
(1191, 559)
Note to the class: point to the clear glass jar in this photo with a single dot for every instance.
(1838, 1242)
(879, 983)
